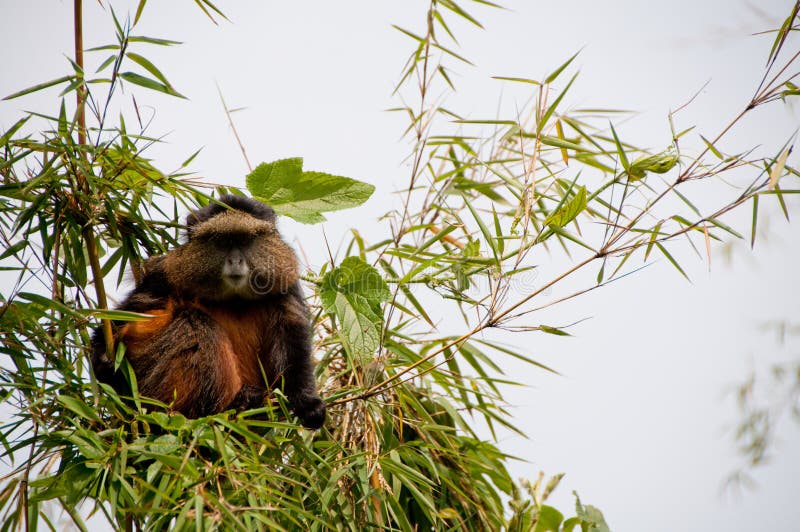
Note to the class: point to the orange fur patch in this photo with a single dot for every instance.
(243, 338)
(135, 333)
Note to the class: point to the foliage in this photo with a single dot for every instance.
(305, 195)
(765, 401)
(80, 205)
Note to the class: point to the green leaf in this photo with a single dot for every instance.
(659, 163)
(14, 249)
(550, 110)
(549, 519)
(78, 407)
(553, 330)
(304, 196)
(517, 80)
(552, 77)
(5, 137)
(569, 210)
(622, 157)
(561, 143)
(591, 516)
(143, 81)
(38, 87)
(671, 259)
(150, 67)
(139, 10)
(353, 292)
(152, 40)
(711, 147)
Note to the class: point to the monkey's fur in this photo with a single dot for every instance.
(229, 320)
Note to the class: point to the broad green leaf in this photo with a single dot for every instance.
(304, 196)
(353, 292)
(357, 277)
(548, 520)
(591, 516)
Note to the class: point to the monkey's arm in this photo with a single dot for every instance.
(151, 294)
(292, 351)
(181, 356)
(188, 363)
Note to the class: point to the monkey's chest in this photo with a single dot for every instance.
(247, 336)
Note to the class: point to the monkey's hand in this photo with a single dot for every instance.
(248, 397)
(310, 410)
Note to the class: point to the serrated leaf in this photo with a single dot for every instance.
(356, 276)
(304, 196)
(353, 292)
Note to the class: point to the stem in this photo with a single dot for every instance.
(80, 94)
(233, 128)
(88, 231)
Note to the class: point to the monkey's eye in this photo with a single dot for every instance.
(233, 240)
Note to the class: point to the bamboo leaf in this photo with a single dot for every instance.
(39, 87)
(553, 75)
(777, 169)
(671, 260)
(569, 210)
(150, 67)
(139, 10)
(148, 83)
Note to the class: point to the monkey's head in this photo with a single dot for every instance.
(233, 251)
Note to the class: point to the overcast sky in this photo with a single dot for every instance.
(640, 421)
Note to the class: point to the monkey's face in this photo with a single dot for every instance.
(232, 256)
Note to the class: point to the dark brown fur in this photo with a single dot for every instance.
(229, 319)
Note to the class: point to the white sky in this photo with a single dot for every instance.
(640, 421)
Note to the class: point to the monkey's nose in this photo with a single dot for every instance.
(235, 261)
(235, 265)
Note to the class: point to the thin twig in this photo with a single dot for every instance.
(233, 128)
